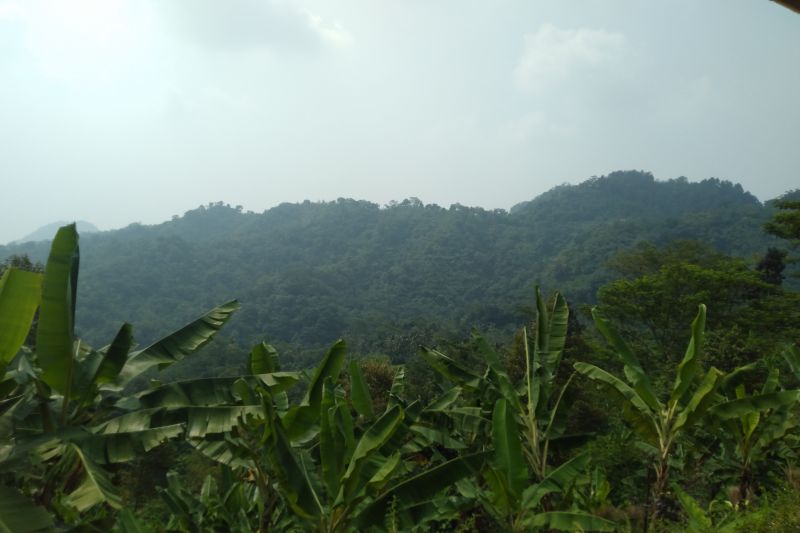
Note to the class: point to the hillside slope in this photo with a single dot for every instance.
(311, 272)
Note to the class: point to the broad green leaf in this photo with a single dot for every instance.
(772, 381)
(571, 521)
(422, 487)
(542, 337)
(330, 366)
(632, 368)
(499, 493)
(330, 457)
(397, 388)
(301, 423)
(128, 523)
(635, 410)
(359, 392)
(216, 419)
(558, 480)
(533, 379)
(733, 378)
(702, 399)
(121, 446)
(291, 475)
(175, 346)
(115, 356)
(775, 427)
(19, 297)
(205, 391)
(748, 421)
(55, 331)
(498, 372)
(445, 400)
(387, 469)
(229, 451)
(557, 421)
(344, 424)
(437, 436)
(508, 449)
(96, 486)
(760, 402)
(555, 324)
(263, 359)
(698, 519)
(792, 357)
(370, 442)
(450, 369)
(689, 367)
(19, 514)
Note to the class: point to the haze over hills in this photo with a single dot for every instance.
(46, 232)
(309, 273)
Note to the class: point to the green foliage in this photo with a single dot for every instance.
(526, 420)
(749, 317)
(786, 222)
(20, 515)
(495, 445)
(659, 423)
(388, 279)
(60, 416)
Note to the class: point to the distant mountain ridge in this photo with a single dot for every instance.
(46, 232)
(308, 273)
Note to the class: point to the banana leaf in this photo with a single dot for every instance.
(55, 331)
(635, 410)
(421, 487)
(115, 356)
(19, 514)
(450, 369)
(263, 359)
(370, 442)
(570, 521)
(633, 370)
(689, 368)
(508, 457)
(702, 399)
(330, 366)
(19, 298)
(760, 402)
(96, 486)
(175, 346)
(558, 480)
(359, 392)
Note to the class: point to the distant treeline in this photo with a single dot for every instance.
(386, 277)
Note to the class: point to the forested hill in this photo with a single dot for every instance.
(309, 273)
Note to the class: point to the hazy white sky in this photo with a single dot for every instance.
(116, 111)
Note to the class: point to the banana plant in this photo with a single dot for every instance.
(698, 520)
(230, 504)
(60, 400)
(658, 422)
(536, 403)
(330, 462)
(515, 503)
(755, 427)
(526, 421)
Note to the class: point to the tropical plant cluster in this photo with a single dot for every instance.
(506, 438)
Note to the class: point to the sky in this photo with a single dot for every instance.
(121, 111)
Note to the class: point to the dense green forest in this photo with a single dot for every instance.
(387, 278)
(663, 396)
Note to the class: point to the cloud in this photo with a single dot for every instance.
(252, 24)
(550, 55)
(78, 42)
(333, 34)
